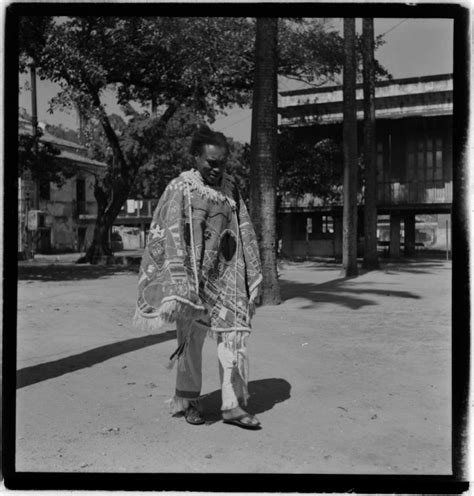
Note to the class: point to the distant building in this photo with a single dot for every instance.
(52, 219)
(414, 131)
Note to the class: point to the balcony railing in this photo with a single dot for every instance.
(138, 208)
(392, 193)
(389, 193)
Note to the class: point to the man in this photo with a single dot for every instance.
(201, 269)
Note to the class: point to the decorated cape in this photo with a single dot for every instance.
(201, 262)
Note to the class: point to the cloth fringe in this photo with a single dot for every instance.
(225, 193)
(178, 405)
(168, 313)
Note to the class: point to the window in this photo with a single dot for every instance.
(44, 190)
(327, 224)
(411, 160)
(81, 196)
(438, 168)
(425, 159)
(420, 159)
(380, 175)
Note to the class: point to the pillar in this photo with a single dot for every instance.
(142, 235)
(395, 235)
(409, 221)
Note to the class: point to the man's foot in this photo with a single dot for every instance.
(193, 416)
(241, 418)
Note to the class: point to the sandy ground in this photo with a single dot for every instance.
(347, 376)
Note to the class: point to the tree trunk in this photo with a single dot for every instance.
(370, 194)
(109, 203)
(100, 250)
(263, 174)
(349, 234)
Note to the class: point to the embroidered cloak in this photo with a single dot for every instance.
(201, 262)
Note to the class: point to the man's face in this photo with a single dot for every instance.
(211, 163)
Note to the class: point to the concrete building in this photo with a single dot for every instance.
(414, 166)
(52, 219)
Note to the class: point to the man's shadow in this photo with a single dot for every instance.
(264, 395)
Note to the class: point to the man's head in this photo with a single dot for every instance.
(210, 150)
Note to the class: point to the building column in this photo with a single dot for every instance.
(395, 235)
(142, 235)
(409, 221)
(337, 236)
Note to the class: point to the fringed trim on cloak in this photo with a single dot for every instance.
(169, 311)
(224, 194)
(178, 405)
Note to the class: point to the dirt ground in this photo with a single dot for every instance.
(347, 376)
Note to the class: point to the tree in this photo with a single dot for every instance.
(39, 160)
(163, 64)
(309, 167)
(370, 191)
(263, 177)
(349, 221)
(168, 63)
(171, 156)
(312, 52)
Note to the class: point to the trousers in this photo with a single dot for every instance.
(232, 361)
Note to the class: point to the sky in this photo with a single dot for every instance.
(413, 48)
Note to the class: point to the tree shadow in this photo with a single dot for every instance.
(337, 291)
(414, 268)
(264, 395)
(44, 371)
(70, 272)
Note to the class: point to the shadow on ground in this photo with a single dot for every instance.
(70, 272)
(337, 291)
(50, 370)
(414, 267)
(264, 395)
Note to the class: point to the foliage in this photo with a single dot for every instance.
(33, 38)
(312, 52)
(205, 63)
(39, 159)
(310, 167)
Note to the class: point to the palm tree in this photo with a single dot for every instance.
(349, 215)
(370, 193)
(263, 175)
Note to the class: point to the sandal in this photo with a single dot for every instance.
(254, 424)
(193, 416)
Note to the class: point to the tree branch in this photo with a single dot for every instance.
(109, 131)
